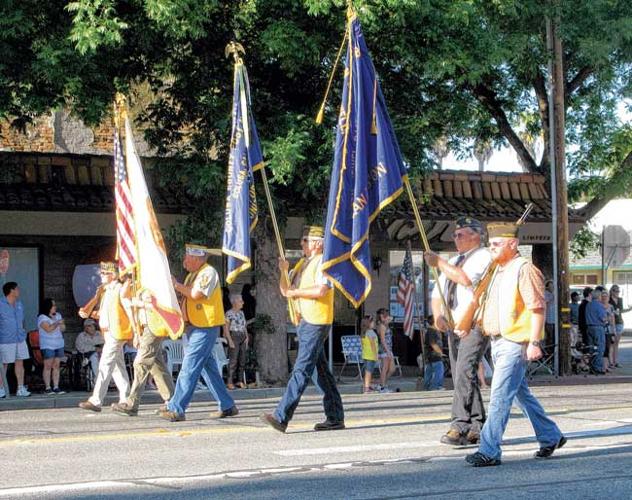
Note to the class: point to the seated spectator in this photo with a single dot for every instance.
(89, 343)
(433, 371)
(51, 340)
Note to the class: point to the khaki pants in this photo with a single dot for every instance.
(150, 361)
(112, 365)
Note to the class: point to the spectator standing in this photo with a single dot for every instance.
(89, 343)
(574, 307)
(369, 351)
(433, 370)
(617, 304)
(610, 330)
(13, 348)
(51, 340)
(596, 318)
(385, 348)
(581, 319)
(237, 336)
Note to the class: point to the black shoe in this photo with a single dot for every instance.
(547, 451)
(231, 412)
(453, 438)
(329, 425)
(479, 460)
(268, 418)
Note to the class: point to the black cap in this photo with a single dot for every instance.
(462, 222)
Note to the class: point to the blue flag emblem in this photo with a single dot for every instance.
(368, 172)
(240, 216)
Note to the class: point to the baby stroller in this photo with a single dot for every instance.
(581, 357)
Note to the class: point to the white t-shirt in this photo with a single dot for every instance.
(475, 264)
(50, 340)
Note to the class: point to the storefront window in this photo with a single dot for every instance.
(22, 266)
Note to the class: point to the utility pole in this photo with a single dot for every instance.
(559, 197)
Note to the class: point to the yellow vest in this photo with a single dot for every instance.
(119, 325)
(514, 317)
(207, 311)
(292, 305)
(315, 311)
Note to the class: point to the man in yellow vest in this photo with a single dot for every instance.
(203, 314)
(116, 328)
(315, 303)
(513, 316)
(149, 360)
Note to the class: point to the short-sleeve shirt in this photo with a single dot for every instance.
(475, 263)
(88, 343)
(236, 321)
(431, 337)
(11, 322)
(50, 340)
(530, 286)
(369, 342)
(206, 280)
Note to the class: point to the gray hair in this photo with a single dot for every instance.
(234, 297)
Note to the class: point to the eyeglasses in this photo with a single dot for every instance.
(460, 236)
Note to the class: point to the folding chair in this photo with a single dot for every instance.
(220, 354)
(352, 352)
(545, 363)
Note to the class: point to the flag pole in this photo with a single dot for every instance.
(120, 116)
(234, 48)
(424, 240)
(419, 316)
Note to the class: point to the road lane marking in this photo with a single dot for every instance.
(353, 449)
(237, 427)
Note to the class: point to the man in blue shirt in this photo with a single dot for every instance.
(13, 347)
(596, 317)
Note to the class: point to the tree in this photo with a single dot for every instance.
(461, 69)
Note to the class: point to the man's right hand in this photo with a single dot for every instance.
(284, 265)
(441, 324)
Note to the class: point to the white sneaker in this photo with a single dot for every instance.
(2, 393)
(22, 392)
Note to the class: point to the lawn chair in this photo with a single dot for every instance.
(352, 352)
(545, 363)
(175, 353)
(220, 354)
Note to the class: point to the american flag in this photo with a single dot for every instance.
(125, 241)
(406, 292)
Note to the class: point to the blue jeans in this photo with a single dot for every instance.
(433, 376)
(509, 382)
(199, 356)
(310, 356)
(597, 337)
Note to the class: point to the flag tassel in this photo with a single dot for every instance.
(321, 110)
(424, 239)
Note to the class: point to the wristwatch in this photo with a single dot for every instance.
(535, 343)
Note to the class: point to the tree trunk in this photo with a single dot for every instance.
(271, 347)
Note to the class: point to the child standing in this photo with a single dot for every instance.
(237, 337)
(369, 351)
(433, 372)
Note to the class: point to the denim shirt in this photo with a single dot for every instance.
(595, 313)
(11, 322)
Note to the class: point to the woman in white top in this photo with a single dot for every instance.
(51, 327)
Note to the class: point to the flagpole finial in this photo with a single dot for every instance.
(235, 49)
(120, 109)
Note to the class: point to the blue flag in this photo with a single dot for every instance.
(368, 172)
(240, 216)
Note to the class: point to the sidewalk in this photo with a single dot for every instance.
(349, 385)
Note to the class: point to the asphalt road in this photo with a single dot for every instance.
(390, 449)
